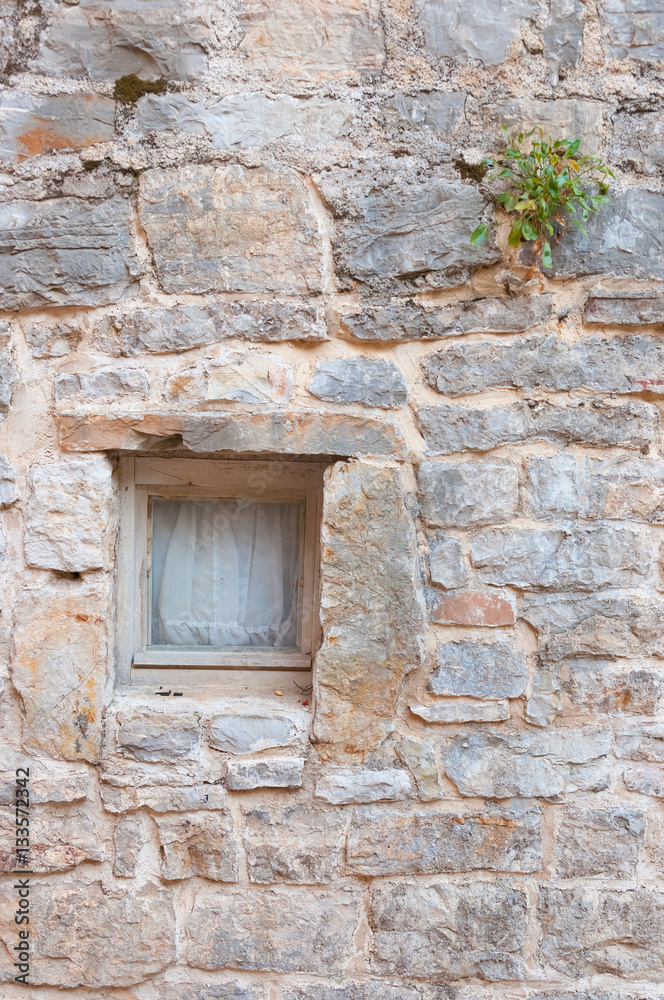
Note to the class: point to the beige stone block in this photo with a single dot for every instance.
(420, 759)
(61, 837)
(293, 843)
(463, 711)
(163, 798)
(198, 844)
(158, 737)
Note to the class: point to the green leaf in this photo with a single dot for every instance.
(514, 237)
(529, 231)
(547, 259)
(571, 150)
(479, 235)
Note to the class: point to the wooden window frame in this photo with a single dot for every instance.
(141, 478)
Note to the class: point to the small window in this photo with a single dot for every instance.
(218, 564)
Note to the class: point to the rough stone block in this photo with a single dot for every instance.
(92, 38)
(32, 125)
(229, 989)
(394, 232)
(410, 320)
(231, 229)
(590, 931)
(560, 117)
(479, 670)
(65, 251)
(552, 486)
(563, 37)
(562, 559)
(644, 742)
(599, 842)
(622, 365)
(59, 668)
(371, 989)
(90, 936)
(291, 930)
(646, 780)
(472, 607)
(543, 703)
(624, 310)
(293, 843)
(600, 686)
(479, 930)
(245, 728)
(507, 763)
(50, 780)
(461, 711)
(163, 798)
(279, 772)
(129, 838)
(447, 566)
(360, 380)
(420, 759)
(8, 377)
(243, 121)
(448, 429)
(348, 785)
(635, 28)
(465, 30)
(198, 844)
(623, 488)
(235, 377)
(102, 386)
(313, 39)
(52, 341)
(158, 737)
(428, 842)
(62, 836)
(467, 494)
(365, 512)
(8, 492)
(439, 110)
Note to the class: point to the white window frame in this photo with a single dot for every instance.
(141, 478)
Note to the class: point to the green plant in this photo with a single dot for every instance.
(548, 184)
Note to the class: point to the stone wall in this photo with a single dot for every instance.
(268, 255)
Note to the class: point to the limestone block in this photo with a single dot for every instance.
(420, 759)
(246, 728)
(543, 703)
(50, 780)
(479, 670)
(644, 742)
(250, 378)
(582, 625)
(59, 668)
(360, 380)
(601, 686)
(65, 251)
(8, 493)
(466, 30)
(448, 429)
(62, 836)
(276, 772)
(8, 371)
(231, 229)
(358, 785)
(293, 843)
(313, 39)
(243, 121)
(599, 842)
(102, 386)
(158, 737)
(285, 432)
(563, 36)
(588, 931)
(561, 117)
(506, 763)
(372, 610)
(479, 930)
(189, 988)
(52, 341)
(462, 711)
(410, 320)
(447, 566)
(552, 486)
(399, 230)
(467, 494)
(646, 780)
(434, 109)
(87, 935)
(634, 28)
(288, 930)
(624, 310)
(622, 488)
(562, 559)
(471, 607)
(389, 841)
(70, 515)
(163, 798)
(129, 838)
(198, 844)
(32, 125)
(623, 365)
(371, 989)
(167, 38)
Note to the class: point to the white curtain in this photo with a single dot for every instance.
(225, 572)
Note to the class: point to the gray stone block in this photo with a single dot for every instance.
(32, 125)
(623, 488)
(622, 365)
(346, 786)
(449, 429)
(52, 341)
(102, 386)
(645, 780)
(642, 742)
(292, 930)
(65, 251)
(106, 41)
(460, 496)
(370, 989)
(229, 989)
(360, 380)
(439, 110)
(8, 493)
(163, 798)
(8, 380)
(463, 711)
(384, 841)
(244, 729)
(447, 566)
(601, 686)
(129, 837)
(599, 842)
(571, 118)
(635, 28)
(466, 30)
(479, 670)
(563, 36)
(543, 703)
(201, 221)
(624, 310)
(562, 559)
(198, 844)
(293, 843)
(592, 931)
(276, 772)
(479, 930)
(149, 736)
(552, 486)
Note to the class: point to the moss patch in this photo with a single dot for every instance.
(129, 88)
(471, 171)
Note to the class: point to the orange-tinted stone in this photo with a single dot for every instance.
(473, 608)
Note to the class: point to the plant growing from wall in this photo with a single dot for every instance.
(549, 183)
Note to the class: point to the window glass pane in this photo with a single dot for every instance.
(225, 572)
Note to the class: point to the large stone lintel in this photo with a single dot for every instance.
(294, 432)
